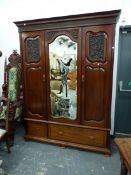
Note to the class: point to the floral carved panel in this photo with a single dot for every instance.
(33, 49)
(96, 46)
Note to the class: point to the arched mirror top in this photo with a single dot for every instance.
(71, 33)
(62, 45)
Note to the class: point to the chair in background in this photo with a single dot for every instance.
(55, 86)
(4, 132)
(12, 91)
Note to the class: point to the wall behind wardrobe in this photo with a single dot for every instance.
(15, 10)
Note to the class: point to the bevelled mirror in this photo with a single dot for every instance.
(63, 77)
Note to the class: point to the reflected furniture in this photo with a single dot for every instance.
(4, 132)
(67, 65)
(12, 91)
(124, 146)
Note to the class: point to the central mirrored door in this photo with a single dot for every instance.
(63, 77)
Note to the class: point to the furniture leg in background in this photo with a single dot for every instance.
(124, 146)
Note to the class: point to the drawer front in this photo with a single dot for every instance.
(36, 129)
(91, 137)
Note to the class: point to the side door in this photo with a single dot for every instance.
(34, 74)
(97, 65)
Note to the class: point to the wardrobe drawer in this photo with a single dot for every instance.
(36, 129)
(78, 135)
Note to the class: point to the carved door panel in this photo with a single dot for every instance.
(34, 74)
(97, 64)
(63, 55)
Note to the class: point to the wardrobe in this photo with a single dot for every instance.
(67, 65)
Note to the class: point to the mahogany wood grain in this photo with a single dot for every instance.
(34, 78)
(78, 135)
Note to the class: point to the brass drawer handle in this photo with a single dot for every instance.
(43, 77)
(83, 78)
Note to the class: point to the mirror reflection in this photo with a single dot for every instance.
(63, 77)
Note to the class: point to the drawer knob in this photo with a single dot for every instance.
(60, 133)
(91, 137)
